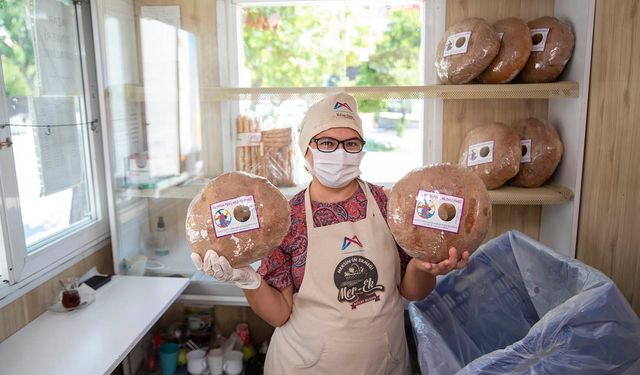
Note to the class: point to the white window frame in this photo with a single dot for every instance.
(25, 270)
(229, 40)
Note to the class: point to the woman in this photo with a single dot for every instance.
(333, 287)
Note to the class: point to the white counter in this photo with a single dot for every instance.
(95, 339)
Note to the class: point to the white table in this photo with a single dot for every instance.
(95, 339)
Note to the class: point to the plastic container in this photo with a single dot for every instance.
(169, 357)
(519, 307)
(135, 265)
(159, 241)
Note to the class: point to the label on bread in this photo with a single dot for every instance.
(438, 211)
(457, 44)
(525, 144)
(539, 39)
(234, 216)
(480, 153)
(248, 139)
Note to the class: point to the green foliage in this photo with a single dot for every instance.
(16, 47)
(394, 62)
(298, 52)
(375, 146)
(299, 46)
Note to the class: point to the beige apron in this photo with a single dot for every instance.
(347, 317)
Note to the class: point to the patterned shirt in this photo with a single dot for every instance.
(285, 266)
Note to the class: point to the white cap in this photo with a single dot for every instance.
(335, 111)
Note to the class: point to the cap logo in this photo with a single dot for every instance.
(342, 105)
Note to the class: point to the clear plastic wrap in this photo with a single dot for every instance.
(267, 153)
(436, 207)
(240, 216)
(279, 160)
(541, 152)
(515, 48)
(552, 46)
(465, 50)
(492, 152)
(248, 144)
(520, 308)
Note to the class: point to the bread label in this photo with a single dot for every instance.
(525, 145)
(457, 44)
(480, 153)
(248, 139)
(438, 211)
(234, 216)
(539, 39)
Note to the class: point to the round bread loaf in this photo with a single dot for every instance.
(434, 208)
(541, 152)
(240, 216)
(552, 46)
(492, 152)
(465, 50)
(515, 48)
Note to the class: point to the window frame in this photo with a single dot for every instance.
(229, 40)
(20, 269)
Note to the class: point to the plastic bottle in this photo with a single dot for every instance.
(248, 351)
(160, 242)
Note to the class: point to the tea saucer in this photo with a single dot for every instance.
(85, 300)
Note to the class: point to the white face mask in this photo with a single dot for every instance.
(335, 169)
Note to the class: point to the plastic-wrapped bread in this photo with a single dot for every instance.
(466, 50)
(492, 152)
(279, 161)
(541, 152)
(434, 208)
(238, 215)
(552, 46)
(515, 48)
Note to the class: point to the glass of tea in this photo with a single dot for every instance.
(70, 294)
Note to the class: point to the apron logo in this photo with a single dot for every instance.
(344, 105)
(356, 278)
(346, 242)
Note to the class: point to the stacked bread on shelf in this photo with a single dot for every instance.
(509, 50)
(525, 154)
(267, 153)
(492, 152)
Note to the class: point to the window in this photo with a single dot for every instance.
(294, 50)
(53, 202)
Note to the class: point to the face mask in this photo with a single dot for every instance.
(335, 169)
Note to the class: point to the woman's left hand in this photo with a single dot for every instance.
(446, 265)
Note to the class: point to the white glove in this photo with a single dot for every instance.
(219, 267)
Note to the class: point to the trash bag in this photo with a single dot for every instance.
(521, 308)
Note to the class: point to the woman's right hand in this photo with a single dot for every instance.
(219, 267)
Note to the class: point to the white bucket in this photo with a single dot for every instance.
(135, 265)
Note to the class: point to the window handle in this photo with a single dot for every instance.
(5, 143)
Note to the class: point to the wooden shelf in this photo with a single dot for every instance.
(506, 195)
(175, 192)
(563, 89)
(544, 195)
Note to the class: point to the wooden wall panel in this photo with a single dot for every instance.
(459, 116)
(493, 10)
(608, 234)
(526, 219)
(20, 312)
